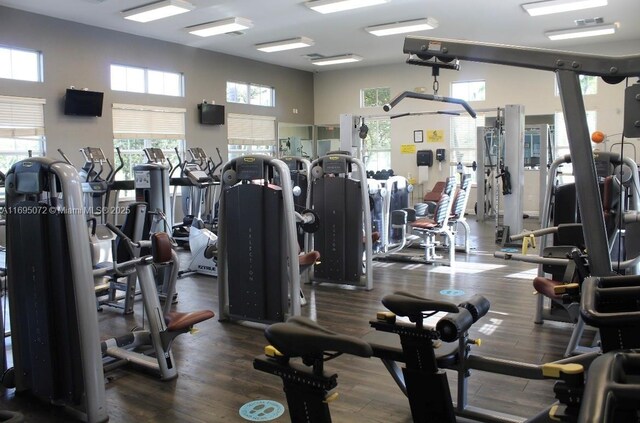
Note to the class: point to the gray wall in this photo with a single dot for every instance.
(80, 55)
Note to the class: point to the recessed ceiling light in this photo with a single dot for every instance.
(581, 32)
(281, 45)
(403, 27)
(220, 27)
(331, 6)
(335, 60)
(558, 6)
(158, 10)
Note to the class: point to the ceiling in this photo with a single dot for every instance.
(496, 21)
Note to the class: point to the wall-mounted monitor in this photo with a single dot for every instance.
(83, 103)
(211, 114)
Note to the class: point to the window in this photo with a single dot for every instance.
(561, 139)
(464, 134)
(244, 93)
(251, 134)
(378, 144)
(136, 127)
(589, 85)
(374, 97)
(21, 129)
(141, 80)
(23, 65)
(468, 90)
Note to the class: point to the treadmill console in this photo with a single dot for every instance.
(198, 154)
(155, 155)
(94, 154)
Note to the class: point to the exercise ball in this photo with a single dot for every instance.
(598, 136)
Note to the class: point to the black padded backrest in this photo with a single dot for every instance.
(128, 226)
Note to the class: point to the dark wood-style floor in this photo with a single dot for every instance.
(216, 376)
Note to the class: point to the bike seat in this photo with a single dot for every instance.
(405, 304)
(301, 336)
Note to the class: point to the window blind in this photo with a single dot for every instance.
(148, 122)
(463, 138)
(251, 129)
(21, 116)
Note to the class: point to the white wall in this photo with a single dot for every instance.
(80, 55)
(337, 92)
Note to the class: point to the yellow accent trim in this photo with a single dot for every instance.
(552, 413)
(386, 316)
(478, 342)
(249, 159)
(553, 370)
(271, 351)
(561, 289)
(334, 396)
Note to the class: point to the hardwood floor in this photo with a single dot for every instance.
(216, 376)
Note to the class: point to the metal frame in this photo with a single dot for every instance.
(361, 174)
(94, 401)
(567, 66)
(290, 261)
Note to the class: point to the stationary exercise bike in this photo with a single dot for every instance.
(424, 350)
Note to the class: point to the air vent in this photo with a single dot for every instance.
(589, 21)
(313, 56)
(234, 33)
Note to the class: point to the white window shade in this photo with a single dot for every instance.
(21, 117)
(148, 122)
(251, 129)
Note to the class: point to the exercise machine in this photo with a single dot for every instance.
(48, 244)
(150, 349)
(340, 197)
(151, 182)
(618, 194)
(258, 268)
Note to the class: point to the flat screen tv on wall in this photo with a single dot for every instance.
(211, 114)
(83, 103)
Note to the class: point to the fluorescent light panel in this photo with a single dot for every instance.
(587, 31)
(331, 6)
(558, 6)
(158, 10)
(402, 27)
(281, 45)
(220, 27)
(336, 60)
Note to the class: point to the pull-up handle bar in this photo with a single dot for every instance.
(428, 97)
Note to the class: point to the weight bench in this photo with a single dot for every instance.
(428, 229)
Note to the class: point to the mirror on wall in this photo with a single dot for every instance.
(295, 140)
(328, 139)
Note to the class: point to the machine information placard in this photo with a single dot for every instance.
(142, 179)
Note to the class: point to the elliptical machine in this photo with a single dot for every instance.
(198, 187)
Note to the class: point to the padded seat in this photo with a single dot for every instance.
(424, 223)
(177, 321)
(405, 304)
(301, 336)
(309, 258)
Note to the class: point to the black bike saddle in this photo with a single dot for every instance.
(301, 336)
(405, 304)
